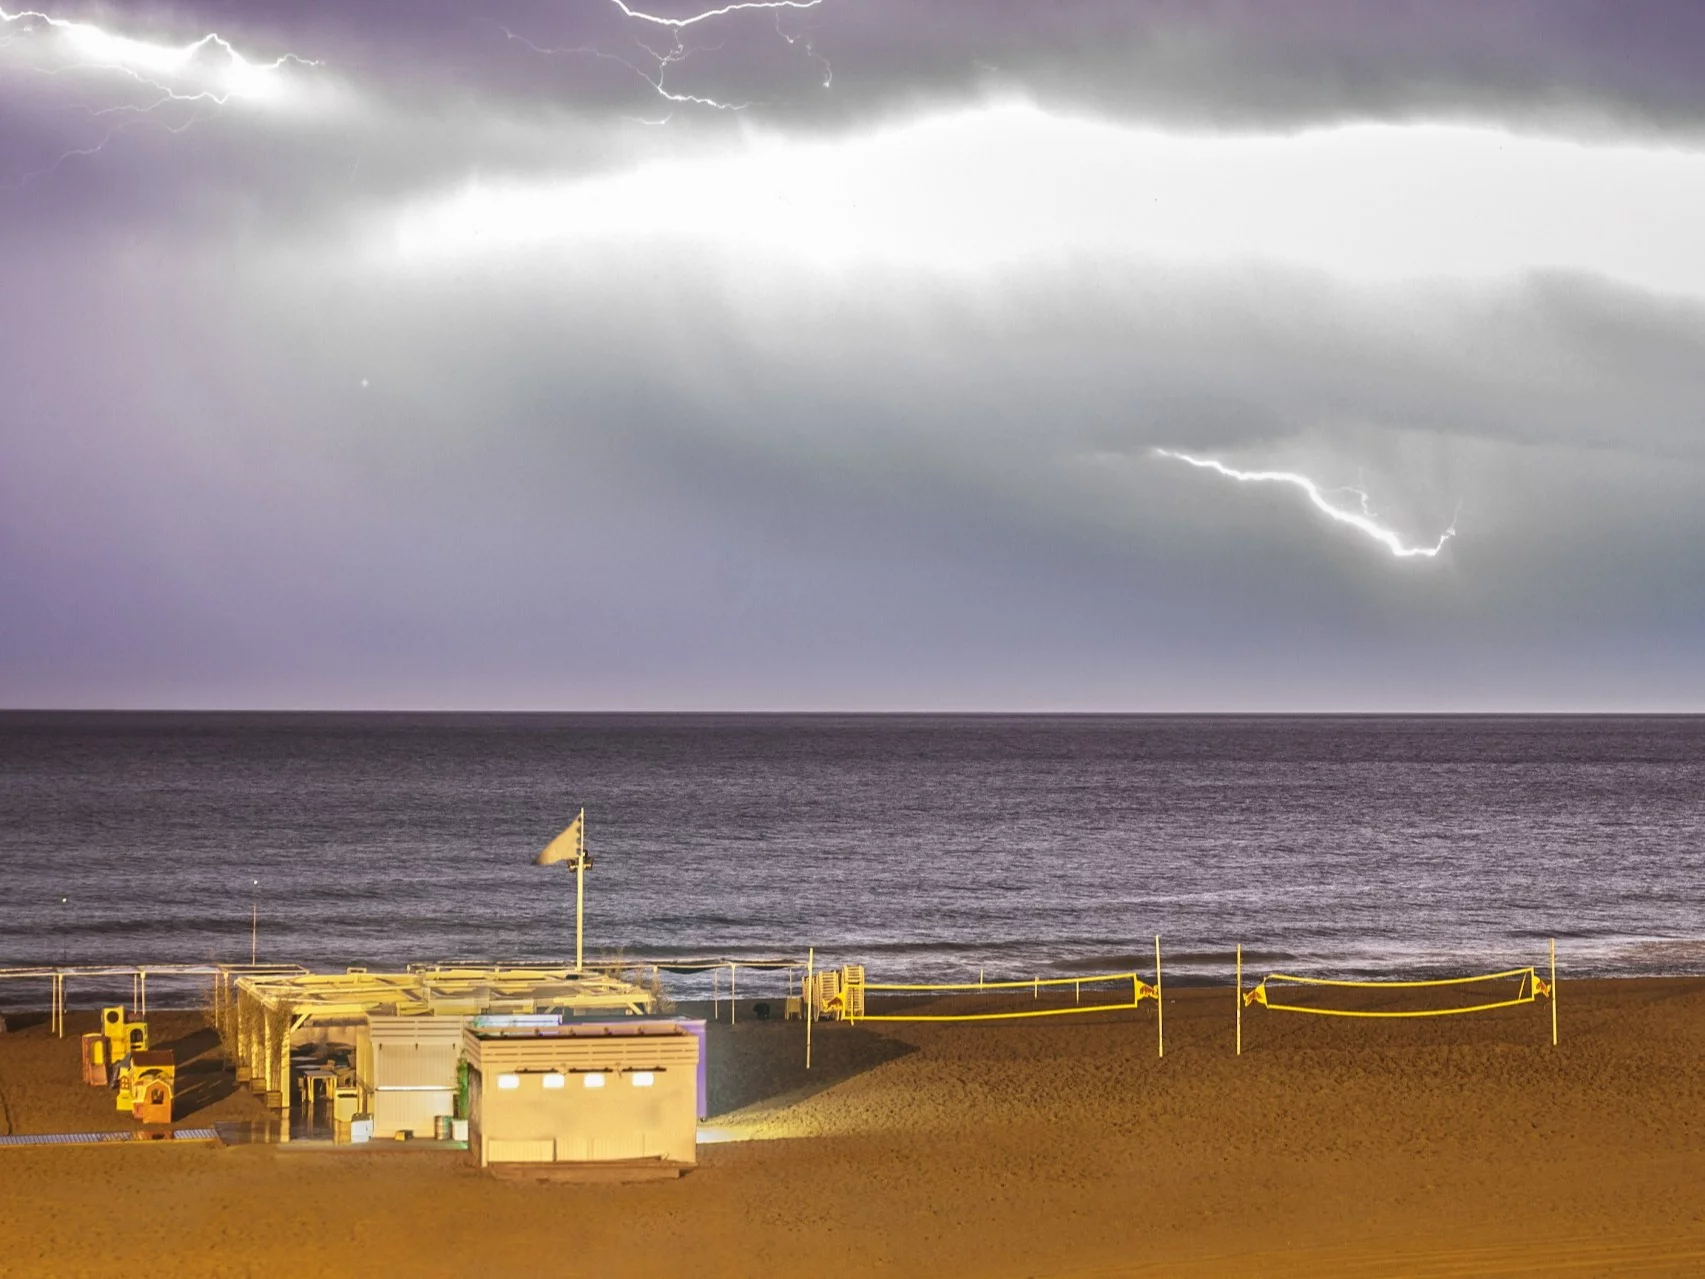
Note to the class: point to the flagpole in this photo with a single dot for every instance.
(580, 897)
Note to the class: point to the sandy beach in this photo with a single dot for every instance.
(1452, 1146)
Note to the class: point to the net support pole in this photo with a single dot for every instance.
(1553, 992)
(1239, 989)
(809, 990)
(1159, 1004)
(731, 1006)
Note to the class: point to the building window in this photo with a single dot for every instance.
(643, 1079)
(594, 1080)
(509, 1081)
(553, 1081)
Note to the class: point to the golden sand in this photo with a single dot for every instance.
(1449, 1147)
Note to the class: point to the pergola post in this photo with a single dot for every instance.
(279, 1096)
(269, 1055)
(245, 1051)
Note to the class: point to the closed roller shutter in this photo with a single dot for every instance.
(499, 1150)
(410, 1109)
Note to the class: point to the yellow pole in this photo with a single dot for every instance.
(1159, 1005)
(1553, 992)
(1240, 999)
(810, 993)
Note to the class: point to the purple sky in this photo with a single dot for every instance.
(547, 356)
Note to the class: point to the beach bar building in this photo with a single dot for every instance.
(261, 1017)
(583, 1094)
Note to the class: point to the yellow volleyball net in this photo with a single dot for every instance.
(1090, 993)
(1484, 992)
(1528, 987)
(1130, 987)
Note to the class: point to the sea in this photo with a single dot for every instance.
(926, 847)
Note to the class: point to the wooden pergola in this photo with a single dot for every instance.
(257, 1014)
(59, 977)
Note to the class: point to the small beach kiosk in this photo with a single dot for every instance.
(405, 1069)
(612, 1095)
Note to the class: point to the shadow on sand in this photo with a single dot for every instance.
(202, 1076)
(756, 1061)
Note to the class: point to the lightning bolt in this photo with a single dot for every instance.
(1362, 520)
(708, 14)
(803, 40)
(655, 79)
(173, 74)
(679, 51)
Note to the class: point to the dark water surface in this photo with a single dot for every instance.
(915, 844)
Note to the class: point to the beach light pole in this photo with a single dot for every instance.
(570, 847)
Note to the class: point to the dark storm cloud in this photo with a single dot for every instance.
(405, 93)
(660, 496)
(1260, 63)
(253, 453)
(454, 70)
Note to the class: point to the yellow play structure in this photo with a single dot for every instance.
(117, 1056)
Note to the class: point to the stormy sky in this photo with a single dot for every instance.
(582, 355)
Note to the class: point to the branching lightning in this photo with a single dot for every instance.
(803, 40)
(1363, 520)
(664, 60)
(656, 78)
(201, 76)
(694, 19)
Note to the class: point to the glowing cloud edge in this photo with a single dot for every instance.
(1362, 521)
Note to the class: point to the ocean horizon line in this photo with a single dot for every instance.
(856, 713)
